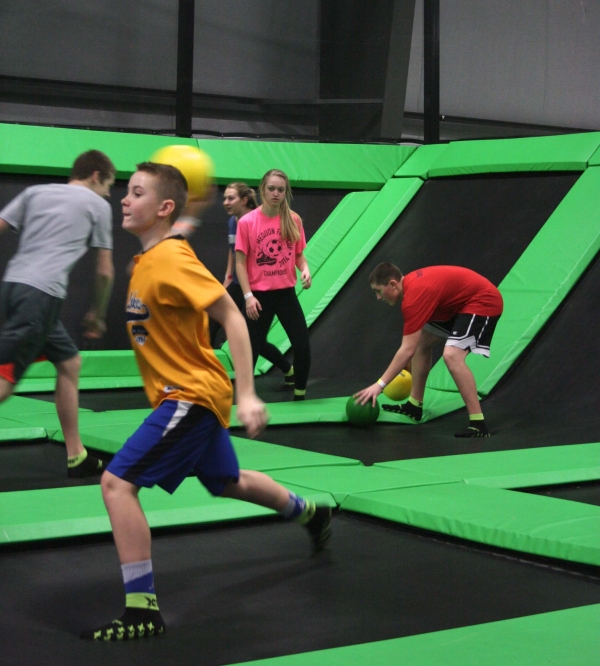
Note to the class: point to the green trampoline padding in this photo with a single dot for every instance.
(50, 150)
(55, 513)
(517, 521)
(595, 159)
(418, 164)
(351, 251)
(265, 457)
(549, 639)
(14, 430)
(16, 406)
(519, 468)
(532, 290)
(342, 481)
(547, 153)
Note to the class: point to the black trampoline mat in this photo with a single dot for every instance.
(252, 591)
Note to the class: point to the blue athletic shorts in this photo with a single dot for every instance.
(176, 440)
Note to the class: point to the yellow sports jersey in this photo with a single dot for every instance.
(169, 292)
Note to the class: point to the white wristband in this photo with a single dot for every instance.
(247, 296)
(382, 383)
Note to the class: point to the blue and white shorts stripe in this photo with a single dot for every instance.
(177, 440)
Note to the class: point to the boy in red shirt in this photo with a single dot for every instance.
(449, 302)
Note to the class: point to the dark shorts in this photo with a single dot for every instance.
(32, 330)
(466, 331)
(178, 439)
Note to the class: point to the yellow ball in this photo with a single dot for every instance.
(194, 164)
(399, 388)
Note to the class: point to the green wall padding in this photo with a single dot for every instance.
(548, 639)
(49, 150)
(14, 430)
(418, 164)
(351, 251)
(502, 518)
(546, 153)
(595, 159)
(519, 468)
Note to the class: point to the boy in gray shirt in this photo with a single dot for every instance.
(56, 225)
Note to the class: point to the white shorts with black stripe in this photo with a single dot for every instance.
(466, 331)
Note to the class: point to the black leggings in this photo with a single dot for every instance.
(267, 350)
(283, 303)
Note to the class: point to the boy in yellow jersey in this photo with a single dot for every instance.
(170, 297)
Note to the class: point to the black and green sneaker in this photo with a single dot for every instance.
(475, 429)
(413, 412)
(134, 623)
(317, 520)
(289, 381)
(91, 466)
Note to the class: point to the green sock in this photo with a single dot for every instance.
(416, 403)
(74, 461)
(476, 417)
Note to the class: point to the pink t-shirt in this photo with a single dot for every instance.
(270, 260)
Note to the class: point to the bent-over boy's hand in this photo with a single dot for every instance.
(252, 414)
(369, 393)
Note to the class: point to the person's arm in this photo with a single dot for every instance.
(401, 358)
(251, 411)
(94, 320)
(302, 266)
(229, 270)
(253, 307)
(4, 225)
(190, 220)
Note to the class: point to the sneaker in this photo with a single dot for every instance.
(475, 429)
(407, 409)
(317, 520)
(91, 466)
(298, 396)
(134, 623)
(289, 381)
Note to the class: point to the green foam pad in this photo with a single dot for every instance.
(321, 246)
(518, 521)
(520, 468)
(341, 481)
(17, 406)
(351, 251)
(546, 153)
(552, 639)
(535, 287)
(50, 150)
(595, 158)
(418, 164)
(265, 457)
(67, 512)
(14, 430)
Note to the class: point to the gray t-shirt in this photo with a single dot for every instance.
(57, 224)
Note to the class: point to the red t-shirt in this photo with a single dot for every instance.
(437, 293)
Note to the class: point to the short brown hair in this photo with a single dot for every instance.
(383, 273)
(171, 184)
(89, 162)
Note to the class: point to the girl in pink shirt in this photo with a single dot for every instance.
(269, 247)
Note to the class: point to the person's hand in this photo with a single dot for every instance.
(94, 326)
(253, 308)
(252, 414)
(306, 279)
(369, 393)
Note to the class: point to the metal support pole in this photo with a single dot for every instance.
(185, 69)
(431, 66)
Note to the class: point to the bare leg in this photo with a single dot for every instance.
(454, 357)
(67, 403)
(258, 488)
(421, 364)
(129, 525)
(6, 389)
